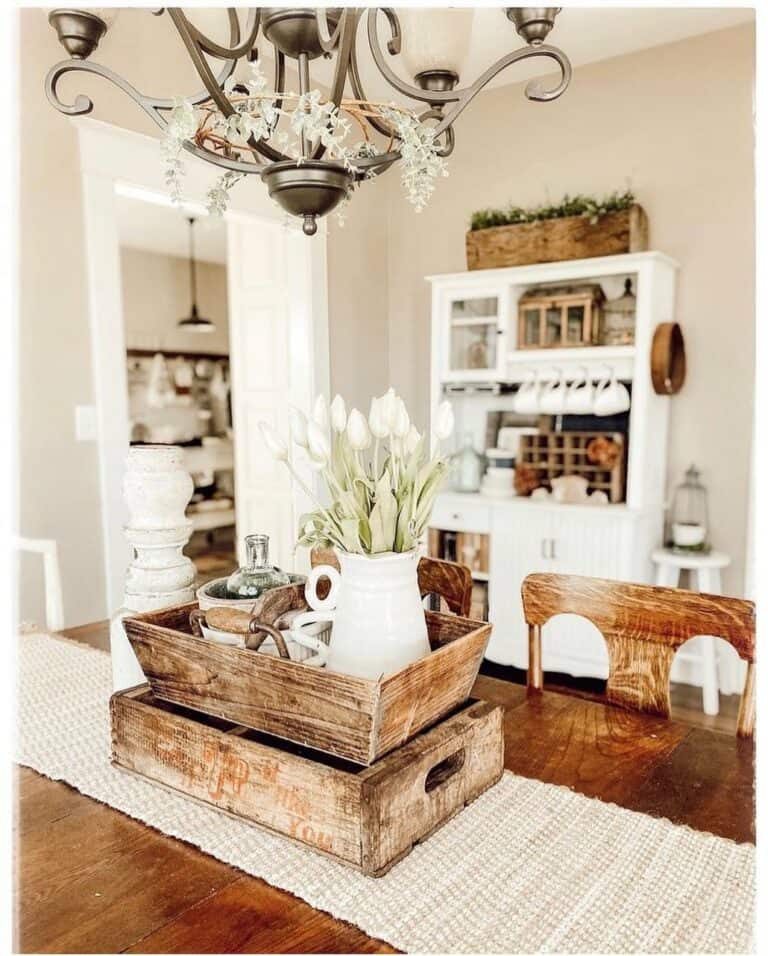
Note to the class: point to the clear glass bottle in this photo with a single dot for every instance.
(469, 467)
(688, 518)
(257, 575)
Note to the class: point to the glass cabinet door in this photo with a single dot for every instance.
(473, 334)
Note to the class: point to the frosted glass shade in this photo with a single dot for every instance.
(107, 14)
(435, 39)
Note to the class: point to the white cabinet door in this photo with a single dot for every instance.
(588, 544)
(472, 325)
(520, 541)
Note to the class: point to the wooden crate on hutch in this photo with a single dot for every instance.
(350, 717)
(367, 818)
(599, 457)
(554, 240)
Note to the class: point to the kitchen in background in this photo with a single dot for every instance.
(175, 312)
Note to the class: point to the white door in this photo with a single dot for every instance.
(278, 357)
(519, 546)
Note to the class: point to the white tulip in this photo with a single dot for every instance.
(320, 412)
(298, 422)
(319, 446)
(388, 403)
(412, 439)
(357, 431)
(377, 419)
(444, 421)
(338, 414)
(275, 444)
(401, 422)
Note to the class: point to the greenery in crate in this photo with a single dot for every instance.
(380, 477)
(586, 206)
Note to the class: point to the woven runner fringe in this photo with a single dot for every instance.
(528, 867)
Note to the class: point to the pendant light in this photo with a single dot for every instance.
(194, 322)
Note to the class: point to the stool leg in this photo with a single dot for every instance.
(667, 575)
(708, 582)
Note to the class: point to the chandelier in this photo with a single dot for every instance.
(313, 150)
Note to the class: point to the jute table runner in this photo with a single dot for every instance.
(529, 867)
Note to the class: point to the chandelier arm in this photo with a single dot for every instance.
(359, 92)
(348, 24)
(152, 106)
(203, 70)
(328, 40)
(450, 137)
(534, 89)
(235, 52)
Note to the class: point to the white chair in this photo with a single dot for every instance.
(705, 571)
(54, 605)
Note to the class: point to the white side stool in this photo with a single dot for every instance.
(706, 569)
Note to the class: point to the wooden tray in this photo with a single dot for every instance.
(350, 717)
(368, 818)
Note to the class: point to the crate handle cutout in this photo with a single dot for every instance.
(442, 772)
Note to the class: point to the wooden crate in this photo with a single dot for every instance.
(351, 717)
(552, 454)
(368, 818)
(554, 240)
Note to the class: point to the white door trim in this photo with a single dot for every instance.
(109, 156)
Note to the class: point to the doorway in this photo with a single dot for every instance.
(277, 347)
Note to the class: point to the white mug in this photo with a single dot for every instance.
(611, 397)
(322, 610)
(580, 396)
(526, 401)
(552, 397)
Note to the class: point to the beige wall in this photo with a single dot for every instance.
(156, 296)
(676, 121)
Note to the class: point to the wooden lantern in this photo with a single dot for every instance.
(560, 317)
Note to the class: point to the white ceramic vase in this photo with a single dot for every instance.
(376, 610)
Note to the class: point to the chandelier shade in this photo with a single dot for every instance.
(314, 148)
(435, 39)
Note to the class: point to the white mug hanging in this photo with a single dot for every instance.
(611, 397)
(580, 395)
(552, 398)
(526, 401)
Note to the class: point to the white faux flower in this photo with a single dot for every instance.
(357, 431)
(411, 440)
(338, 414)
(275, 444)
(388, 403)
(319, 446)
(401, 423)
(444, 421)
(377, 418)
(320, 412)
(298, 422)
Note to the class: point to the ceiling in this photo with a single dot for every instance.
(159, 227)
(586, 34)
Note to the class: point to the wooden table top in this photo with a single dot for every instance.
(91, 879)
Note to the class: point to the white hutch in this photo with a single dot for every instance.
(525, 535)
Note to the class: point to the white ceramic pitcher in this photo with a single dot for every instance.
(376, 610)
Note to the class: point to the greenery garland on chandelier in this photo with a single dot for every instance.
(587, 206)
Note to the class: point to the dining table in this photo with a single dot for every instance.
(91, 879)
